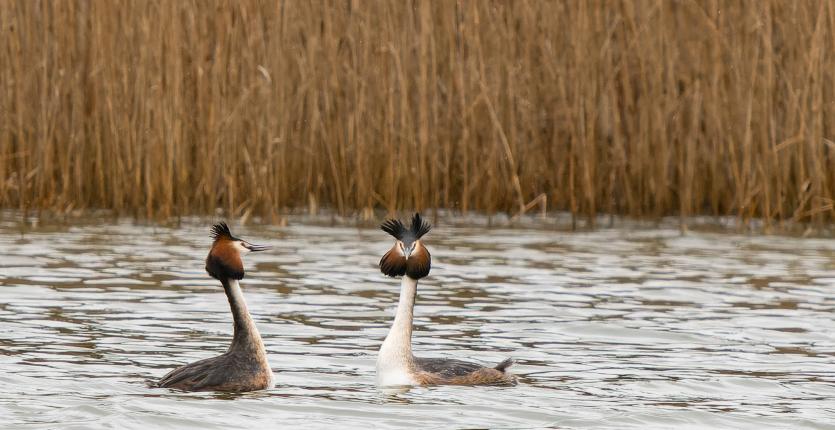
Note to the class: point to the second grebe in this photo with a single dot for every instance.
(396, 366)
(244, 366)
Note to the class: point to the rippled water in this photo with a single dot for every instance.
(610, 329)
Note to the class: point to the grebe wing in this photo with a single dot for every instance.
(446, 367)
(227, 372)
(450, 368)
(192, 376)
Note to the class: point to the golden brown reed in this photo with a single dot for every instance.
(642, 108)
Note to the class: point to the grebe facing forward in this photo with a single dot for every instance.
(396, 366)
(244, 366)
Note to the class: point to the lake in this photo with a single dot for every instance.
(614, 328)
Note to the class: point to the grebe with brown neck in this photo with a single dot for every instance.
(244, 366)
(396, 365)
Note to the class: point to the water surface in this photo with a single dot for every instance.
(615, 328)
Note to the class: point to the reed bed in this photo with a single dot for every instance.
(639, 108)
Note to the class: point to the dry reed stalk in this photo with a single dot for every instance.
(634, 107)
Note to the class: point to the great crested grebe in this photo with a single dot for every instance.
(244, 366)
(396, 366)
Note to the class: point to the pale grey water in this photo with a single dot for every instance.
(611, 329)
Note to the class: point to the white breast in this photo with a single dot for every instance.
(393, 376)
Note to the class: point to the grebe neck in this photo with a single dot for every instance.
(247, 337)
(395, 360)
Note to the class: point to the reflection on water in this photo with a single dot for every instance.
(610, 329)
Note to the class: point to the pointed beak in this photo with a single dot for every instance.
(256, 248)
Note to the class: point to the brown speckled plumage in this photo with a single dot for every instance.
(232, 371)
(440, 371)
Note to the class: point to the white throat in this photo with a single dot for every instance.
(395, 362)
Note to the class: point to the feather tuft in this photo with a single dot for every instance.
(393, 264)
(221, 231)
(419, 226)
(418, 265)
(501, 367)
(416, 230)
(394, 227)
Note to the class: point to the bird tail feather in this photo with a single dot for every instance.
(504, 365)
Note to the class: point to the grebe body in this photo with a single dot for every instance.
(396, 365)
(244, 366)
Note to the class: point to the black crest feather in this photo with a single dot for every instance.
(419, 226)
(394, 227)
(221, 231)
(416, 230)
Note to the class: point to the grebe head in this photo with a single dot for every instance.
(408, 256)
(224, 260)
